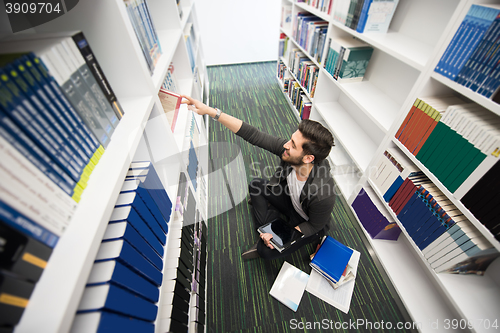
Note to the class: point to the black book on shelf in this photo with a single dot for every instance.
(15, 292)
(98, 73)
(21, 254)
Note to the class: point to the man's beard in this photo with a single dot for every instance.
(295, 161)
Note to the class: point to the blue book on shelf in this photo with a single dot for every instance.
(363, 16)
(56, 94)
(133, 185)
(38, 112)
(402, 216)
(13, 104)
(332, 258)
(469, 35)
(124, 230)
(393, 188)
(11, 132)
(130, 215)
(146, 172)
(122, 251)
(47, 108)
(134, 200)
(482, 54)
(27, 226)
(109, 297)
(114, 272)
(105, 322)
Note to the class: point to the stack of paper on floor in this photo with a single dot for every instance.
(289, 286)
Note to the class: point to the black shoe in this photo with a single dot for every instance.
(251, 253)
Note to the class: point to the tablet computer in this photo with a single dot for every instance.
(283, 235)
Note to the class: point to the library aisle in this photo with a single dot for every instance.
(238, 297)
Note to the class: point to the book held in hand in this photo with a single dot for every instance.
(171, 102)
(284, 236)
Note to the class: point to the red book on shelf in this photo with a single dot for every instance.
(424, 124)
(425, 137)
(407, 119)
(171, 103)
(398, 192)
(413, 125)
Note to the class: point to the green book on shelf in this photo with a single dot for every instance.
(446, 143)
(469, 168)
(354, 63)
(448, 161)
(430, 145)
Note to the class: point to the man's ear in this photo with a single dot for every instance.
(308, 159)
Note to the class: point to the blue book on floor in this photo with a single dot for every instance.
(113, 298)
(114, 272)
(124, 230)
(120, 250)
(332, 258)
(105, 322)
(130, 215)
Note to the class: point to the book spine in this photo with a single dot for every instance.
(363, 16)
(23, 119)
(17, 139)
(46, 118)
(54, 91)
(27, 226)
(57, 108)
(92, 63)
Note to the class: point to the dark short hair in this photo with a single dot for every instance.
(319, 139)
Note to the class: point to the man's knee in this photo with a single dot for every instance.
(256, 186)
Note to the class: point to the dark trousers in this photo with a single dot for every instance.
(268, 206)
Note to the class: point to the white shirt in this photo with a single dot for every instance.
(295, 186)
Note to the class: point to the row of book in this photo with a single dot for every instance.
(437, 227)
(22, 262)
(142, 22)
(283, 45)
(483, 200)
(347, 59)
(444, 235)
(322, 5)
(451, 138)
(310, 32)
(123, 285)
(374, 217)
(190, 38)
(472, 58)
(299, 99)
(57, 106)
(303, 70)
(185, 266)
(364, 16)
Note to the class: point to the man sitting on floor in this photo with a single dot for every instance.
(301, 188)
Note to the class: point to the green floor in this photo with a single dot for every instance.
(238, 291)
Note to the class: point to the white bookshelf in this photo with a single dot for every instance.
(364, 118)
(143, 133)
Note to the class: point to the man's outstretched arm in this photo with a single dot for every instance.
(232, 123)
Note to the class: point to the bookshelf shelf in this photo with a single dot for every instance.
(166, 37)
(350, 135)
(481, 228)
(364, 118)
(476, 98)
(473, 297)
(56, 296)
(142, 134)
(378, 106)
